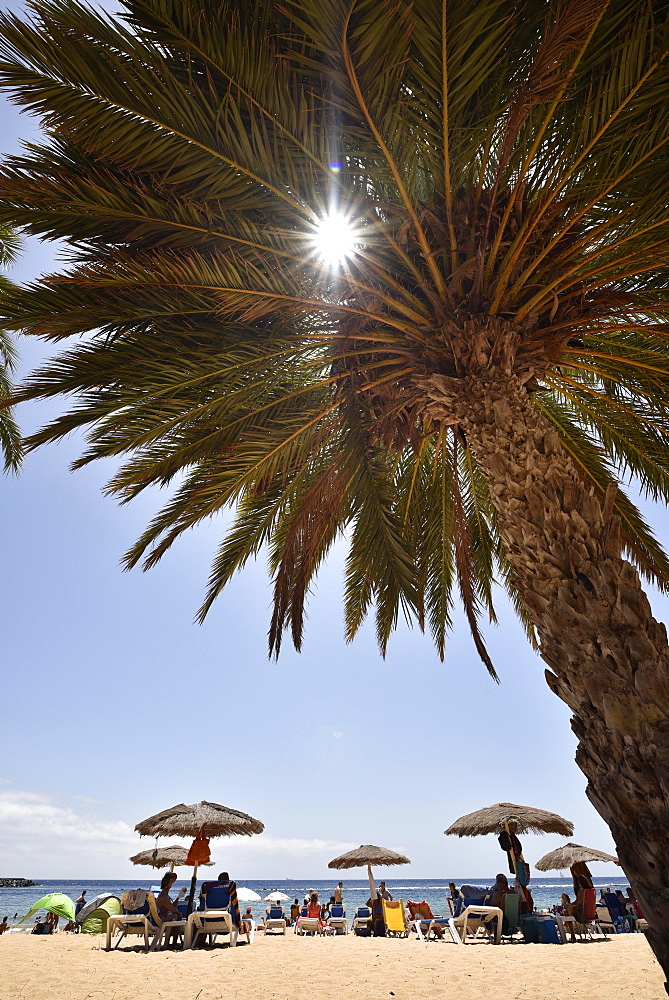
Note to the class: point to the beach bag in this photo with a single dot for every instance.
(548, 932)
(199, 850)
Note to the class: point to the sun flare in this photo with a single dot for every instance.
(335, 239)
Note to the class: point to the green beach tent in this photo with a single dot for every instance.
(95, 922)
(54, 902)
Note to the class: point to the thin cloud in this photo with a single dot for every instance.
(46, 838)
(41, 838)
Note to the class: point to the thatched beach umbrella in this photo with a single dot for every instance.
(510, 818)
(369, 855)
(206, 819)
(572, 854)
(160, 857)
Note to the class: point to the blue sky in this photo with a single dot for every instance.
(116, 705)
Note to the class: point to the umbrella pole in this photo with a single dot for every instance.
(172, 867)
(372, 885)
(191, 894)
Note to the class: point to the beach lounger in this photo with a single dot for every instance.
(308, 925)
(167, 930)
(618, 913)
(211, 922)
(394, 919)
(472, 919)
(275, 921)
(337, 919)
(604, 922)
(362, 922)
(143, 921)
(424, 921)
(214, 896)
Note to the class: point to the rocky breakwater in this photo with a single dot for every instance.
(16, 883)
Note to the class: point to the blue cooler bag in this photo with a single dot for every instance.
(548, 931)
(539, 928)
(529, 925)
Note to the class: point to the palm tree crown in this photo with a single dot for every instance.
(502, 174)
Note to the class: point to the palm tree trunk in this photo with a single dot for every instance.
(608, 656)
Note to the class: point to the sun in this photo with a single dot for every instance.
(335, 239)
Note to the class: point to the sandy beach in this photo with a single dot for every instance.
(68, 967)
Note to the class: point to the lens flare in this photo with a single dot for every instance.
(334, 239)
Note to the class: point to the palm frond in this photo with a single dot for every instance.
(504, 169)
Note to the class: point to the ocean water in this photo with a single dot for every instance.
(546, 891)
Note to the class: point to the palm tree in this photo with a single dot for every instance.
(394, 270)
(10, 437)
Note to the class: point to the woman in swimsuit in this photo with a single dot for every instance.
(167, 910)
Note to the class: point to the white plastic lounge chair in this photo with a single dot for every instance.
(337, 919)
(210, 922)
(308, 925)
(424, 922)
(146, 925)
(362, 921)
(275, 921)
(472, 919)
(604, 922)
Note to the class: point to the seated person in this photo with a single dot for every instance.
(580, 875)
(628, 909)
(622, 900)
(248, 922)
(220, 889)
(498, 891)
(565, 903)
(221, 895)
(167, 910)
(577, 908)
(294, 911)
(315, 910)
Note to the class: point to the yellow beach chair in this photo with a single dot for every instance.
(394, 919)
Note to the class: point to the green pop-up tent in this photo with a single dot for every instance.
(54, 902)
(95, 921)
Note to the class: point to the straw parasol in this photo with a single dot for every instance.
(512, 818)
(207, 819)
(160, 857)
(509, 817)
(572, 854)
(369, 855)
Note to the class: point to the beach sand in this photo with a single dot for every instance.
(70, 967)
